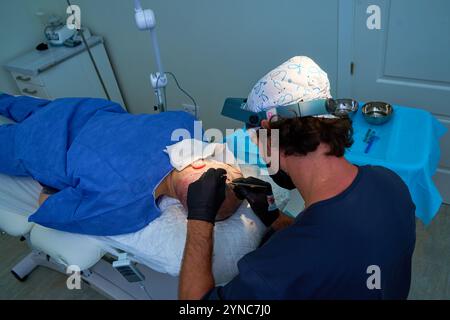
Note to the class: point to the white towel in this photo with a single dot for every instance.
(187, 151)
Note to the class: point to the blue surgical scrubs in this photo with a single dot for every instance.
(356, 245)
(106, 162)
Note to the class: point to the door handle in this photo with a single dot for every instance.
(21, 78)
(28, 91)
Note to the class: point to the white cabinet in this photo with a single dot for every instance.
(62, 72)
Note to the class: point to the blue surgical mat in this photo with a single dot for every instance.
(409, 145)
(106, 162)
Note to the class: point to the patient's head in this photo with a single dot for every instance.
(182, 179)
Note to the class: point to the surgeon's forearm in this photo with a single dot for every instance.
(282, 222)
(196, 277)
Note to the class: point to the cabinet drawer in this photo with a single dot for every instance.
(32, 90)
(26, 79)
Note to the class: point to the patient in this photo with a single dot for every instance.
(176, 184)
(107, 168)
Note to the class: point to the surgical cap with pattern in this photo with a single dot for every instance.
(299, 79)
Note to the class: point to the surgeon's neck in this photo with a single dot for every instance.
(318, 176)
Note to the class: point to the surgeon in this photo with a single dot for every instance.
(354, 239)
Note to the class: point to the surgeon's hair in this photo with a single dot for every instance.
(299, 136)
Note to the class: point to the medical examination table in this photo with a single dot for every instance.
(408, 145)
(94, 256)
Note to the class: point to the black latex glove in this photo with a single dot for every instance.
(206, 195)
(258, 196)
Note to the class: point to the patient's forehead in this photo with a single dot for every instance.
(193, 172)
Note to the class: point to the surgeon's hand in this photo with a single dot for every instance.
(206, 195)
(259, 195)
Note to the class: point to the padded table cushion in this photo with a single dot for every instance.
(67, 248)
(14, 224)
(18, 199)
(10, 221)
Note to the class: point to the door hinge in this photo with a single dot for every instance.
(352, 68)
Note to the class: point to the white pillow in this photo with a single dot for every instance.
(161, 244)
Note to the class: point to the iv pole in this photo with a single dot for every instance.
(145, 20)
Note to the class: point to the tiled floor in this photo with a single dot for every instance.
(431, 261)
(42, 283)
(430, 280)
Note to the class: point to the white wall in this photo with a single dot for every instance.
(216, 48)
(20, 31)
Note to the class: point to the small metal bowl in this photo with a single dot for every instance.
(377, 112)
(342, 107)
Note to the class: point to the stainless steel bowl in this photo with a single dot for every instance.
(377, 112)
(342, 107)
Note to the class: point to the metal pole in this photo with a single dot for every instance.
(99, 76)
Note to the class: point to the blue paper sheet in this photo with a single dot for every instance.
(408, 145)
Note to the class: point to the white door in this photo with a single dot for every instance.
(406, 62)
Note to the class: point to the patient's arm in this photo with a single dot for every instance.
(42, 198)
(282, 222)
(20, 108)
(46, 192)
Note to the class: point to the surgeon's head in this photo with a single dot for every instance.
(302, 135)
(193, 172)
